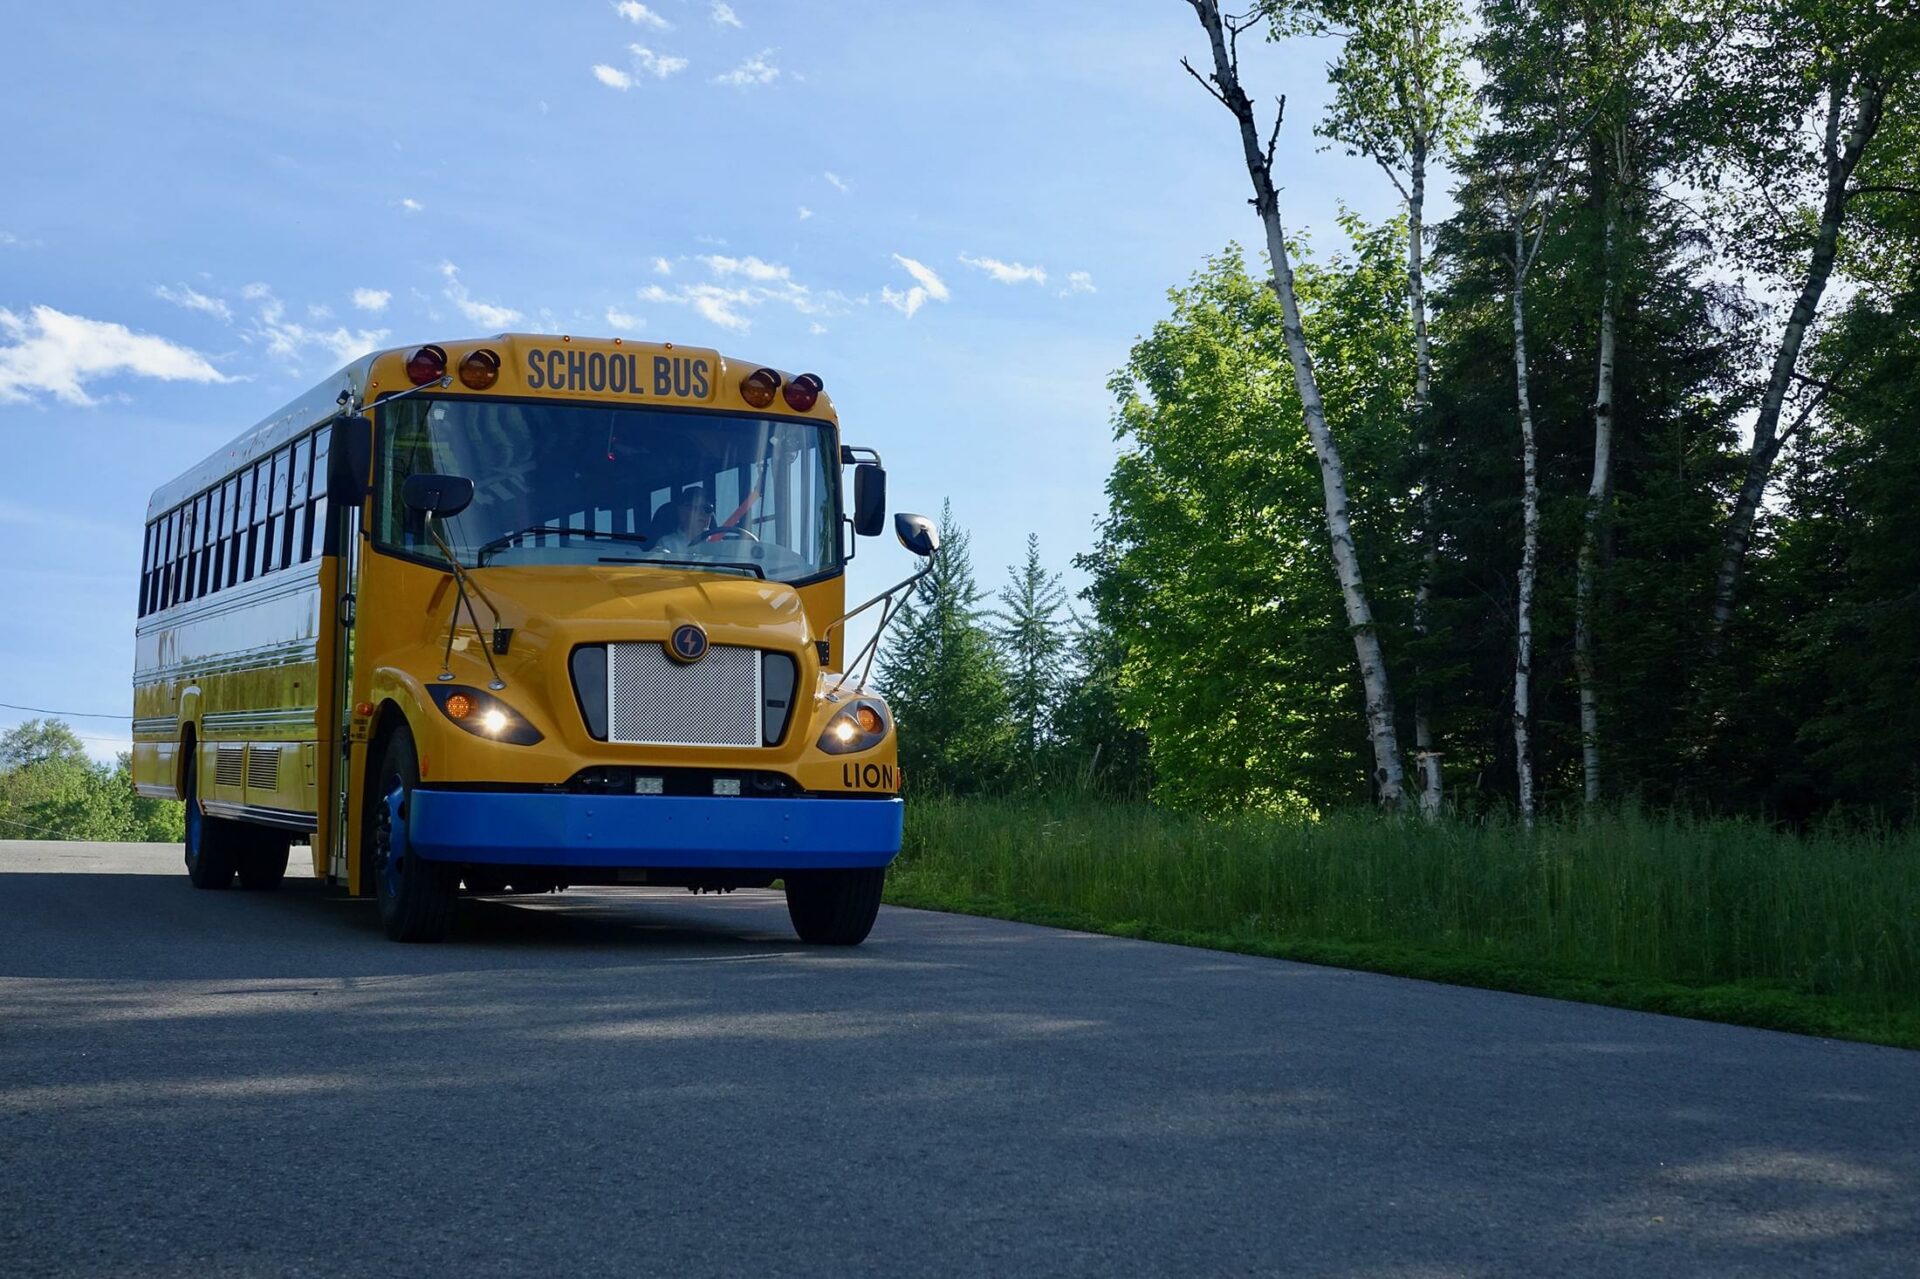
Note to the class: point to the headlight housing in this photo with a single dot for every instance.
(484, 715)
(859, 725)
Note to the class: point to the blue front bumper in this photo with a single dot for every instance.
(637, 831)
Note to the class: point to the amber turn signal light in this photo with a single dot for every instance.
(480, 370)
(757, 387)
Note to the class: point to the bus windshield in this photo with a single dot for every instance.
(591, 484)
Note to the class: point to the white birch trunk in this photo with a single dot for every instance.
(1841, 159)
(1529, 544)
(1598, 492)
(1431, 794)
(1387, 776)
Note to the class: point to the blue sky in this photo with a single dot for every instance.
(960, 215)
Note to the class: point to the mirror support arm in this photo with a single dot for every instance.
(871, 649)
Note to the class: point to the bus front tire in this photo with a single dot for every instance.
(263, 865)
(212, 852)
(834, 907)
(416, 896)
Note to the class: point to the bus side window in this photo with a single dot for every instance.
(165, 598)
(230, 530)
(189, 546)
(273, 479)
(316, 530)
(256, 514)
(208, 578)
(146, 570)
(292, 539)
(202, 543)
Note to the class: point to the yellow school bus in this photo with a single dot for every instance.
(521, 613)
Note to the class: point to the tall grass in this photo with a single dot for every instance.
(1618, 899)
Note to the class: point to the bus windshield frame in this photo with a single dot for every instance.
(583, 483)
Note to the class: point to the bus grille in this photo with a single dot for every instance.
(656, 701)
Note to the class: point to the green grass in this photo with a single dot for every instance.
(1721, 919)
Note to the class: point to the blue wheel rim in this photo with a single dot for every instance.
(392, 835)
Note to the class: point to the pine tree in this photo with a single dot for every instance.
(1032, 644)
(942, 676)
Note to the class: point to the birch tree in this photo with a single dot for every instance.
(1224, 84)
(1836, 66)
(1401, 98)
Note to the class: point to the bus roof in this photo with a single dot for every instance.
(322, 401)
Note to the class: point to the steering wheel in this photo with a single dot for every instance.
(731, 533)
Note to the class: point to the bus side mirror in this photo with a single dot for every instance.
(869, 499)
(917, 533)
(440, 495)
(349, 462)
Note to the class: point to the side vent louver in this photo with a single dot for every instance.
(226, 765)
(263, 768)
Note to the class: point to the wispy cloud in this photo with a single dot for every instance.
(192, 299)
(612, 77)
(626, 321)
(1078, 282)
(805, 213)
(757, 70)
(410, 204)
(751, 267)
(839, 183)
(48, 352)
(724, 16)
(484, 314)
(1007, 272)
(926, 285)
(657, 65)
(291, 340)
(662, 267)
(372, 300)
(741, 285)
(641, 16)
(8, 240)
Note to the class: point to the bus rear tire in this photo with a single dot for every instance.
(212, 851)
(834, 907)
(263, 865)
(416, 896)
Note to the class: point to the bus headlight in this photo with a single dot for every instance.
(484, 715)
(861, 725)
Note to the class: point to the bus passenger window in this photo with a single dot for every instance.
(230, 530)
(297, 502)
(256, 485)
(316, 532)
(285, 501)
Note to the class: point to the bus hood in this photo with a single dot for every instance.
(576, 606)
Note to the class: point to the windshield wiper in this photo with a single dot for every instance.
(705, 565)
(565, 530)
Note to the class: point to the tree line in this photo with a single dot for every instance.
(51, 789)
(1598, 489)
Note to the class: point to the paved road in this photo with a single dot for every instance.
(647, 1082)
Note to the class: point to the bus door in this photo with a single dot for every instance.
(352, 458)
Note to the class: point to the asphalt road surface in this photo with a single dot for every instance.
(646, 1082)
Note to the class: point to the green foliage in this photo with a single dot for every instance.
(1212, 571)
(1724, 919)
(943, 678)
(1032, 645)
(49, 789)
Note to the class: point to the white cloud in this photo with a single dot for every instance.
(319, 311)
(624, 320)
(1078, 282)
(657, 65)
(743, 285)
(411, 205)
(838, 183)
(805, 213)
(484, 314)
(612, 77)
(1007, 272)
(751, 267)
(758, 69)
(724, 16)
(193, 300)
(52, 353)
(289, 340)
(926, 285)
(662, 267)
(8, 240)
(816, 328)
(641, 16)
(374, 300)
